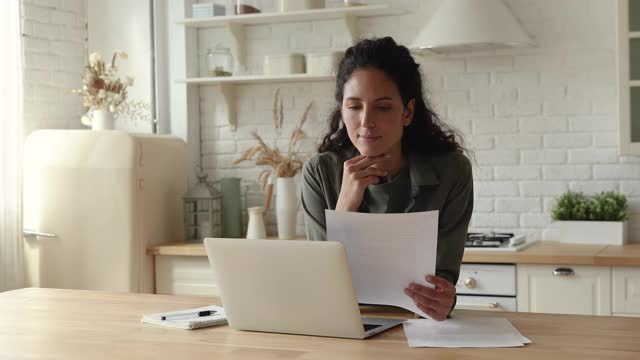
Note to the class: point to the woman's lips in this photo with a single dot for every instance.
(369, 138)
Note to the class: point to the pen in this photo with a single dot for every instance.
(198, 314)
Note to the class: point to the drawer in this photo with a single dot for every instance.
(185, 275)
(486, 303)
(487, 279)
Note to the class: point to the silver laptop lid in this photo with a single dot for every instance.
(286, 286)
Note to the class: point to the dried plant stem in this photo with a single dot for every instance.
(281, 165)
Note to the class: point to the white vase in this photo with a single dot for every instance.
(286, 207)
(102, 120)
(256, 228)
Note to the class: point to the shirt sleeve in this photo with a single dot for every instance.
(454, 223)
(313, 202)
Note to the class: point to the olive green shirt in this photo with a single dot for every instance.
(443, 183)
(388, 197)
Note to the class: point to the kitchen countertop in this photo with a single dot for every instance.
(542, 252)
(628, 255)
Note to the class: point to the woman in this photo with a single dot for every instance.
(387, 152)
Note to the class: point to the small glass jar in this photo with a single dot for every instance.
(219, 62)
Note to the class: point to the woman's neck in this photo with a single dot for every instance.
(395, 163)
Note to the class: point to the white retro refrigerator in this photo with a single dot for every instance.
(94, 201)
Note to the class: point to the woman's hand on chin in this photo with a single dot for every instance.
(359, 172)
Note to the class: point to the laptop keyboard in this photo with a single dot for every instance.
(368, 327)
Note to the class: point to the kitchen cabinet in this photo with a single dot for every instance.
(605, 280)
(185, 275)
(564, 289)
(629, 75)
(626, 291)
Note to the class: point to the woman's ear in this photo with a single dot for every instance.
(409, 110)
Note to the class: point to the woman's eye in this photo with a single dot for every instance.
(379, 108)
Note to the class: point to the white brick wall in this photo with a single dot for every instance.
(540, 120)
(54, 55)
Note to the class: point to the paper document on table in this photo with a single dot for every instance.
(460, 332)
(387, 252)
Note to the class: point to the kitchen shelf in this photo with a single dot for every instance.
(293, 16)
(255, 79)
(234, 25)
(227, 86)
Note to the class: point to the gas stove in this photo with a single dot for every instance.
(493, 241)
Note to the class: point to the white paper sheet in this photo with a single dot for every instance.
(387, 252)
(463, 332)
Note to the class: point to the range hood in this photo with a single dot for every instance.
(471, 25)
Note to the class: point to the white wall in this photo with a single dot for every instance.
(54, 56)
(540, 120)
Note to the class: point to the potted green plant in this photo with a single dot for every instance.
(598, 219)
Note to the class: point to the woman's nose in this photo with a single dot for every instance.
(367, 120)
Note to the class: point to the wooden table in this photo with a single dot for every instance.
(75, 324)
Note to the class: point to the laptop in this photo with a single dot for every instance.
(288, 286)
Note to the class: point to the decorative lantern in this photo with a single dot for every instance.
(202, 211)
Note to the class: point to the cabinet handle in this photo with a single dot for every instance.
(563, 272)
(470, 283)
(491, 305)
(27, 232)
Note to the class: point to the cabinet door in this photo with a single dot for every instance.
(626, 291)
(564, 289)
(629, 75)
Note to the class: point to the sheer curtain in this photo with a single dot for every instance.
(11, 139)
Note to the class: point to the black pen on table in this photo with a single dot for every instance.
(190, 315)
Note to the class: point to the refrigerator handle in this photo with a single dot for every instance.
(27, 232)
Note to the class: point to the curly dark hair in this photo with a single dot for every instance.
(426, 134)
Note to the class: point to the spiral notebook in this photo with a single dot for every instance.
(188, 319)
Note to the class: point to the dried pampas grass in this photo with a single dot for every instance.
(282, 164)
